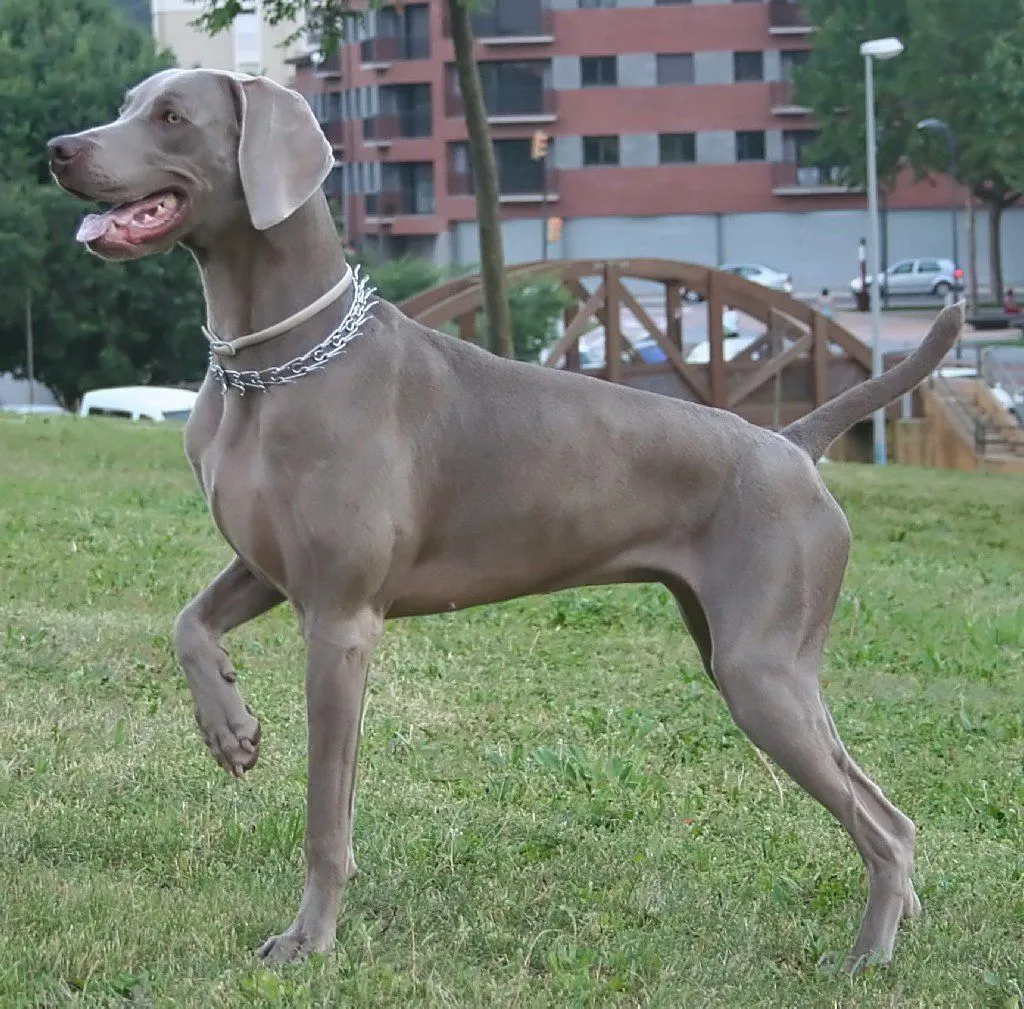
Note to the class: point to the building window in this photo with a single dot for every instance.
(596, 3)
(750, 145)
(599, 71)
(518, 173)
(511, 88)
(600, 151)
(675, 68)
(670, 3)
(747, 67)
(791, 60)
(677, 148)
(407, 187)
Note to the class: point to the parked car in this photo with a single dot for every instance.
(924, 275)
(757, 273)
(139, 402)
(763, 275)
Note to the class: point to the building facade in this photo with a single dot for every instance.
(251, 45)
(673, 126)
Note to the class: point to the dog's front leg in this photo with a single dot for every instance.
(230, 729)
(339, 654)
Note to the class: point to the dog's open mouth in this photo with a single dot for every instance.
(133, 224)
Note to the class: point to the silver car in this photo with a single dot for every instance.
(926, 275)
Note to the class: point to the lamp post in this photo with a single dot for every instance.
(876, 49)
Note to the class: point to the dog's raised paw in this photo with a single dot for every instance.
(233, 741)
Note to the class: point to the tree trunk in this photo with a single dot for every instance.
(995, 248)
(485, 179)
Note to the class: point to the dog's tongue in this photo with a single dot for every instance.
(94, 226)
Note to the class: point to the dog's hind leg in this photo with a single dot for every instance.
(230, 729)
(767, 604)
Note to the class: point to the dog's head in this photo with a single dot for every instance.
(192, 153)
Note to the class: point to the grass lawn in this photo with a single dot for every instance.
(554, 807)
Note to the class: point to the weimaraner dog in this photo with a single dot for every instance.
(417, 474)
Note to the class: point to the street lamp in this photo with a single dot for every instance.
(876, 49)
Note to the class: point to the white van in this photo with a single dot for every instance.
(139, 402)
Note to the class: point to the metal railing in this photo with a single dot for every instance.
(786, 14)
(513, 180)
(790, 174)
(508, 102)
(989, 436)
(415, 123)
(781, 94)
(390, 48)
(526, 19)
(393, 202)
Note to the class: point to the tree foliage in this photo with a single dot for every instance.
(64, 65)
(960, 65)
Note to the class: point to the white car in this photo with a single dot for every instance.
(922, 275)
(139, 402)
(758, 273)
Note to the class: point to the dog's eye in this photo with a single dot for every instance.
(171, 118)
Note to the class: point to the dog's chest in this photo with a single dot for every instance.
(244, 503)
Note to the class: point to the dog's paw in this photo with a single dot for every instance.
(233, 737)
(293, 946)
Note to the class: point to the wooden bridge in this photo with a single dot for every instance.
(800, 360)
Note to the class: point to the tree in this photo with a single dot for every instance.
(1005, 69)
(832, 85)
(64, 65)
(329, 20)
(954, 68)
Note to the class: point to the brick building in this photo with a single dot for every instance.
(674, 133)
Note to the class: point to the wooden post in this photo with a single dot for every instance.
(819, 359)
(572, 355)
(776, 349)
(612, 325)
(30, 351)
(674, 313)
(716, 341)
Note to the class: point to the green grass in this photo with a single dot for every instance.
(554, 807)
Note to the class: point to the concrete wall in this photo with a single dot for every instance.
(819, 249)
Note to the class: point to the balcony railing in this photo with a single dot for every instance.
(335, 132)
(514, 182)
(791, 179)
(383, 129)
(787, 17)
(780, 95)
(393, 203)
(522, 103)
(329, 66)
(387, 49)
(511, 22)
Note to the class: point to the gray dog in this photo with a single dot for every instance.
(418, 474)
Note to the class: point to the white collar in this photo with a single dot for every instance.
(229, 348)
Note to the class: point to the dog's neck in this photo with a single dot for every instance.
(254, 279)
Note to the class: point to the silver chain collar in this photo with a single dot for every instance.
(313, 360)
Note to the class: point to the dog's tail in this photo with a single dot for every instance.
(815, 432)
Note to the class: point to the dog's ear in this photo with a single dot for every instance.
(283, 155)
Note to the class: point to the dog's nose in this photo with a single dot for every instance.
(64, 150)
